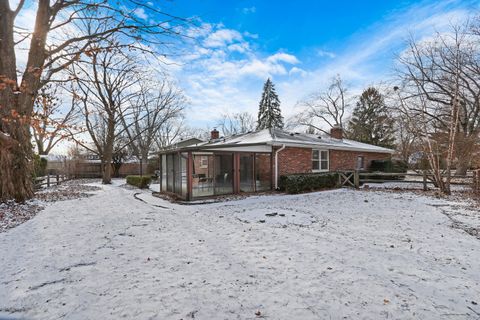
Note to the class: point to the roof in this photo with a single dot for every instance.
(184, 143)
(278, 137)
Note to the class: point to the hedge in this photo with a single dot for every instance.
(392, 166)
(389, 166)
(297, 183)
(141, 182)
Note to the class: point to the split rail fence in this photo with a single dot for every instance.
(50, 179)
(425, 178)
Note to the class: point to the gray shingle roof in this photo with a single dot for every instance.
(277, 137)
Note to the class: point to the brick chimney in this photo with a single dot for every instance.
(336, 132)
(214, 134)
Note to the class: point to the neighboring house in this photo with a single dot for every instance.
(254, 161)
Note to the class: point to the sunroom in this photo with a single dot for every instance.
(195, 174)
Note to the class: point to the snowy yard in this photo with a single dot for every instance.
(333, 254)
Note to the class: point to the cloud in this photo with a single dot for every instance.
(222, 37)
(368, 58)
(249, 10)
(325, 53)
(140, 13)
(297, 71)
(283, 57)
(224, 71)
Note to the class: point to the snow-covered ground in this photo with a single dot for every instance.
(123, 253)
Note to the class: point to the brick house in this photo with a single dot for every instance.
(254, 161)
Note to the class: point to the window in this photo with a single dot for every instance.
(204, 162)
(360, 162)
(320, 160)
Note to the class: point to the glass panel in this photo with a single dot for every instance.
(163, 182)
(170, 175)
(324, 164)
(315, 165)
(324, 155)
(315, 155)
(223, 174)
(263, 173)
(177, 172)
(202, 176)
(246, 173)
(183, 166)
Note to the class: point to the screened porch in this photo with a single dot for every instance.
(198, 174)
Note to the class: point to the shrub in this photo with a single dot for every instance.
(392, 166)
(39, 166)
(141, 182)
(297, 183)
(389, 166)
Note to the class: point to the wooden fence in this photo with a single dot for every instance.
(356, 178)
(49, 180)
(476, 181)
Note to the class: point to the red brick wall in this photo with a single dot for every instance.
(294, 160)
(299, 160)
(347, 160)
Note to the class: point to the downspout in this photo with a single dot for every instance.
(276, 165)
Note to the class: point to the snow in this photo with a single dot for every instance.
(279, 137)
(124, 253)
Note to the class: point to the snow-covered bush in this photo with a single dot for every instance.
(297, 183)
(141, 182)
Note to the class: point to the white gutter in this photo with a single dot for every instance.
(276, 165)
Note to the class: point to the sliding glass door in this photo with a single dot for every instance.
(247, 181)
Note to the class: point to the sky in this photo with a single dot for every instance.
(225, 57)
(299, 44)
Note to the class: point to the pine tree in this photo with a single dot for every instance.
(269, 113)
(370, 122)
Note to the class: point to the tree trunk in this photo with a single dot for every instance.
(108, 151)
(16, 103)
(15, 148)
(144, 162)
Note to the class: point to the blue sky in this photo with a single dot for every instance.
(299, 44)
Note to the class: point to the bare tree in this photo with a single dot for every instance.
(236, 123)
(156, 104)
(58, 39)
(435, 95)
(51, 119)
(326, 107)
(446, 72)
(105, 83)
(176, 130)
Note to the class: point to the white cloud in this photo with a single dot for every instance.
(249, 10)
(140, 13)
(222, 37)
(325, 53)
(283, 57)
(297, 71)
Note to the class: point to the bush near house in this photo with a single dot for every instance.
(297, 183)
(141, 182)
(388, 166)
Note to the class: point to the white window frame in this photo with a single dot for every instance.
(202, 165)
(362, 167)
(320, 160)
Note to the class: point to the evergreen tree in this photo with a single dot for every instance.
(269, 114)
(370, 122)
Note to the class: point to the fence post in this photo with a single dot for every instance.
(58, 179)
(425, 188)
(48, 180)
(356, 179)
